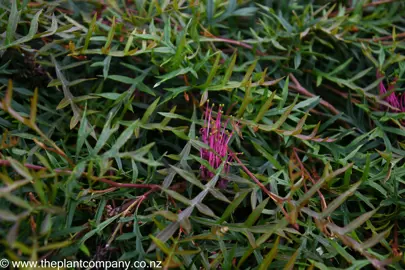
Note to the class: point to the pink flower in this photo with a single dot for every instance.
(395, 100)
(215, 135)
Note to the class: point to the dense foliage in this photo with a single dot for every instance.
(106, 124)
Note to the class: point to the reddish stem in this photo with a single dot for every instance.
(395, 247)
(238, 43)
(278, 200)
(348, 10)
(300, 89)
(305, 172)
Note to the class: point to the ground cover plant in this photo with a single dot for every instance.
(204, 134)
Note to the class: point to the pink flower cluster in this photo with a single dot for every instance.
(215, 135)
(395, 100)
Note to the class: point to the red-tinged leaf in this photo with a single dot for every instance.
(375, 239)
(313, 137)
(298, 128)
(320, 182)
(352, 225)
(339, 200)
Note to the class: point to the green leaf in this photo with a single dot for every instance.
(284, 94)
(20, 169)
(40, 191)
(53, 29)
(107, 131)
(110, 37)
(270, 256)
(177, 196)
(85, 250)
(341, 67)
(366, 169)
(268, 156)
(297, 60)
(202, 208)
(249, 72)
(68, 95)
(239, 197)
(83, 133)
(172, 74)
(346, 255)
(17, 201)
(121, 78)
(149, 111)
(13, 20)
(178, 57)
(111, 96)
(213, 71)
(248, 11)
(90, 31)
(31, 32)
(265, 107)
(98, 229)
(252, 218)
(107, 63)
(160, 244)
(46, 225)
(210, 10)
(291, 262)
(122, 139)
(6, 215)
(229, 69)
(188, 176)
(282, 118)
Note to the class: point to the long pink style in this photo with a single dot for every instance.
(395, 100)
(215, 135)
